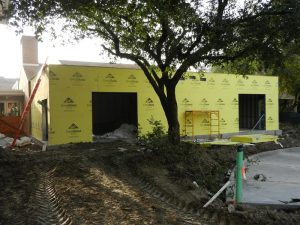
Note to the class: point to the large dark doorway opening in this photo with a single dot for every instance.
(111, 110)
(252, 111)
(44, 104)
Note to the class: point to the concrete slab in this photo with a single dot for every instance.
(271, 193)
(281, 171)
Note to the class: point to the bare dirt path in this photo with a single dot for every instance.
(111, 183)
(78, 186)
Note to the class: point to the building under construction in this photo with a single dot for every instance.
(77, 100)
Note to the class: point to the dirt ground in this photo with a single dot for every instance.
(124, 183)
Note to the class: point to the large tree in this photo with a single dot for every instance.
(289, 75)
(167, 37)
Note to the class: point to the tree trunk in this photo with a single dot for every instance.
(171, 112)
(296, 102)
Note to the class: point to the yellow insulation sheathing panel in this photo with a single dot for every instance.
(36, 108)
(71, 90)
(70, 94)
(221, 92)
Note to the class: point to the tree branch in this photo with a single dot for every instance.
(163, 37)
(175, 49)
(141, 62)
(221, 7)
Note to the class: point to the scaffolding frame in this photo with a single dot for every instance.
(214, 121)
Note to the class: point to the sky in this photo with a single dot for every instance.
(10, 51)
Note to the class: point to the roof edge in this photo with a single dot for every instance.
(12, 92)
(93, 64)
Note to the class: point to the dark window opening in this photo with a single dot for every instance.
(45, 120)
(111, 110)
(2, 109)
(252, 111)
(44, 104)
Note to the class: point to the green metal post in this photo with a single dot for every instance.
(238, 175)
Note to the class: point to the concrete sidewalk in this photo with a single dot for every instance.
(273, 178)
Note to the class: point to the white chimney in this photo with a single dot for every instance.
(29, 50)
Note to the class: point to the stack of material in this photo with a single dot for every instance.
(124, 132)
(249, 139)
(254, 138)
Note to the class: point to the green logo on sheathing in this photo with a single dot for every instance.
(53, 76)
(192, 77)
(73, 128)
(131, 80)
(186, 102)
(110, 78)
(149, 102)
(220, 102)
(225, 82)
(132, 77)
(205, 122)
(69, 102)
(254, 83)
(77, 77)
(68, 105)
(267, 84)
(204, 102)
(235, 102)
(223, 122)
(188, 122)
(270, 120)
(269, 102)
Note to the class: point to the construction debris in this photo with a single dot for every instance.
(23, 141)
(7, 141)
(125, 131)
(121, 149)
(195, 184)
(260, 177)
(293, 200)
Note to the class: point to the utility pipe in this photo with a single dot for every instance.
(217, 194)
(238, 174)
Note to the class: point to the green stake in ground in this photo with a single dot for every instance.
(238, 175)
